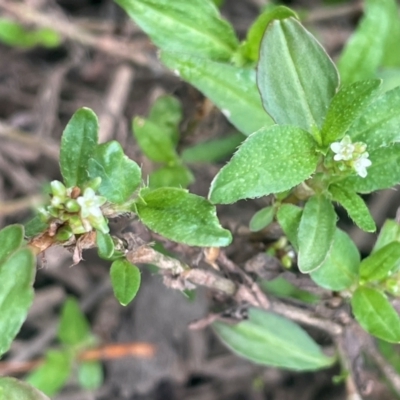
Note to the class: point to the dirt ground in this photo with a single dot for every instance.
(39, 91)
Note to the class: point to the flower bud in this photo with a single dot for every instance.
(58, 189)
(72, 206)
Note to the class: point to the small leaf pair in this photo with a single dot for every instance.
(82, 159)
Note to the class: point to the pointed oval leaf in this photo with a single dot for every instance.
(375, 314)
(355, 206)
(171, 176)
(289, 217)
(269, 339)
(189, 27)
(90, 375)
(271, 160)
(382, 174)
(381, 264)
(250, 49)
(153, 141)
(182, 217)
(14, 389)
(120, 176)
(74, 329)
(316, 232)
(296, 77)
(52, 375)
(340, 269)
(105, 245)
(364, 51)
(78, 142)
(11, 238)
(390, 232)
(232, 89)
(262, 218)
(125, 280)
(347, 105)
(379, 124)
(16, 294)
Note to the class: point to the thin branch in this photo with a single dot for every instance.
(106, 352)
(22, 204)
(47, 147)
(105, 43)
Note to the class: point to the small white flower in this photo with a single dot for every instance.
(353, 155)
(344, 149)
(90, 204)
(361, 164)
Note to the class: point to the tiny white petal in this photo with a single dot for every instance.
(335, 147)
(226, 112)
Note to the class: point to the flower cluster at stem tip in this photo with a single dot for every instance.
(80, 213)
(353, 155)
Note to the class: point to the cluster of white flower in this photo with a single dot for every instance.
(353, 154)
(81, 214)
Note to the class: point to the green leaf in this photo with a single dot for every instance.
(171, 176)
(390, 78)
(78, 142)
(166, 112)
(280, 287)
(14, 34)
(381, 264)
(53, 374)
(289, 217)
(90, 375)
(35, 226)
(375, 314)
(316, 233)
(364, 51)
(125, 279)
(382, 174)
(271, 160)
(74, 328)
(182, 217)
(13, 389)
(270, 339)
(213, 150)
(190, 27)
(262, 218)
(17, 273)
(105, 245)
(120, 176)
(379, 124)
(340, 269)
(391, 55)
(232, 89)
(11, 238)
(153, 141)
(355, 206)
(390, 232)
(251, 47)
(284, 73)
(347, 105)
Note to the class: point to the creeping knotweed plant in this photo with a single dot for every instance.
(314, 139)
